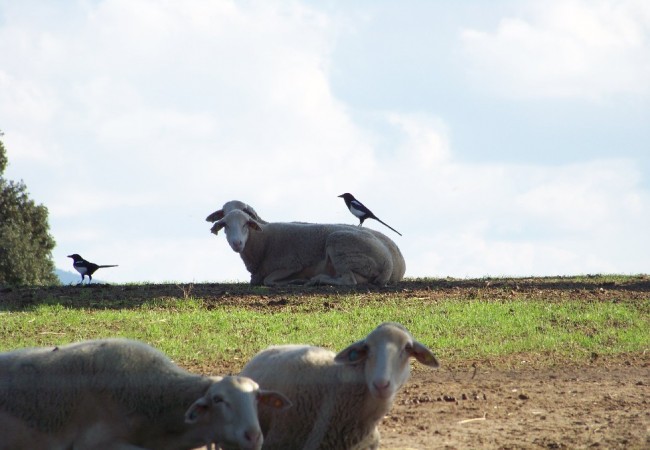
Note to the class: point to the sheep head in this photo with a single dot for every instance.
(237, 225)
(231, 206)
(385, 354)
(228, 411)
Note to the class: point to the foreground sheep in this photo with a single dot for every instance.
(338, 400)
(294, 252)
(121, 394)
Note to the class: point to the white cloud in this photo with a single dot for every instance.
(560, 48)
(584, 197)
(192, 93)
(425, 143)
(25, 99)
(76, 202)
(138, 118)
(522, 220)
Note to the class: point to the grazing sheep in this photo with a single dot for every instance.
(293, 252)
(122, 394)
(338, 400)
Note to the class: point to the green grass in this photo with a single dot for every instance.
(455, 329)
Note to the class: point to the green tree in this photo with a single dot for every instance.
(25, 242)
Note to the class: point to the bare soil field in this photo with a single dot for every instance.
(604, 404)
(520, 402)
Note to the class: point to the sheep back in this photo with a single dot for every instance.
(307, 249)
(134, 375)
(327, 399)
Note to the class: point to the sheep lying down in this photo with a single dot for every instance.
(278, 253)
(119, 394)
(338, 399)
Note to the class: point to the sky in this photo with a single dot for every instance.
(501, 138)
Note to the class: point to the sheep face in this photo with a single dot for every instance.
(228, 412)
(385, 354)
(237, 225)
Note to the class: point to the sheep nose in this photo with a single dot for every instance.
(381, 385)
(253, 436)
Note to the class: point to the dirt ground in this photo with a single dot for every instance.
(605, 405)
(532, 402)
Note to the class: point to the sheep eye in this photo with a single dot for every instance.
(356, 355)
(408, 348)
(217, 399)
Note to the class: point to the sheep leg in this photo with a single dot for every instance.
(297, 275)
(347, 279)
(281, 277)
(371, 442)
(355, 258)
(327, 274)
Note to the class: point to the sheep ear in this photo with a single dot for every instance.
(217, 215)
(254, 225)
(198, 409)
(273, 400)
(353, 354)
(217, 226)
(251, 212)
(423, 355)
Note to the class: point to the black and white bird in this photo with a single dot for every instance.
(359, 210)
(86, 267)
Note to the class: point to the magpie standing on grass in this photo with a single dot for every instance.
(359, 210)
(85, 267)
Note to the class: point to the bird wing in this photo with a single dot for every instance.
(358, 209)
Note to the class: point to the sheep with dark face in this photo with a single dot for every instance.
(338, 399)
(295, 252)
(122, 394)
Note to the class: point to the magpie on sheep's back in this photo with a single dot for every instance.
(360, 211)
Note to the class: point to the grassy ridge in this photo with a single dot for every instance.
(455, 328)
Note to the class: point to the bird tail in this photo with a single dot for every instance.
(384, 223)
(113, 265)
